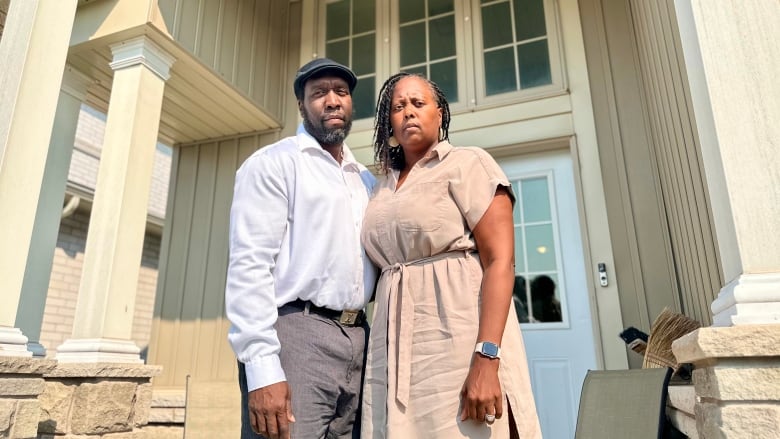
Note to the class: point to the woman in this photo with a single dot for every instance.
(440, 226)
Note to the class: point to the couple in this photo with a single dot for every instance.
(445, 357)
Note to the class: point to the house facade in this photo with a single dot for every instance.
(638, 137)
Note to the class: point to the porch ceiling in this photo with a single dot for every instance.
(198, 104)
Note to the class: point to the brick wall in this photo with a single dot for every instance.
(64, 284)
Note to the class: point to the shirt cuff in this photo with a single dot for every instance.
(263, 372)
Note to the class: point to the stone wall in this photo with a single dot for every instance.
(21, 382)
(103, 400)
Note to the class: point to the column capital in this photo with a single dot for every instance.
(142, 50)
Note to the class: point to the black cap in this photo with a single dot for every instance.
(320, 65)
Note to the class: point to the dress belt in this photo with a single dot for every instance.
(405, 319)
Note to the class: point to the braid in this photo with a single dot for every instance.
(393, 158)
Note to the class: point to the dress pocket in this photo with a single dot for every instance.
(423, 207)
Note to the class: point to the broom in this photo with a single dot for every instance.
(667, 327)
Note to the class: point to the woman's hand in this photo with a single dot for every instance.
(481, 394)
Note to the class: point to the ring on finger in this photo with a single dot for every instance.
(490, 418)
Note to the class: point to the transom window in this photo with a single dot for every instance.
(478, 51)
(427, 42)
(515, 50)
(350, 38)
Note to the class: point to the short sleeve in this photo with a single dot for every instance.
(475, 187)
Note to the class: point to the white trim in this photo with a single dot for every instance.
(13, 343)
(748, 299)
(142, 50)
(98, 350)
(75, 83)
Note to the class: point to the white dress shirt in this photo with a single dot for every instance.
(294, 234)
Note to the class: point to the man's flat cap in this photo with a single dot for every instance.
(319, 66)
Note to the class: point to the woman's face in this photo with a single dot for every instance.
(415, 115)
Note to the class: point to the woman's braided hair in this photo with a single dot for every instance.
(386, 156)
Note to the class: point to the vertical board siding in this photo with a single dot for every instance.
(243, 41)
(190, 334)
(677, 156)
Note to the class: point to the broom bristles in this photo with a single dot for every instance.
(667, 327)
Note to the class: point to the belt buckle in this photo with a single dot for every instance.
(348, 317)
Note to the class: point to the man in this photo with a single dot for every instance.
(298, 277)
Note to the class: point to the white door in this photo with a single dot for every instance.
(551, 293)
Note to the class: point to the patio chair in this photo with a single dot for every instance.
(621, 404)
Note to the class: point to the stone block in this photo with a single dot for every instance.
(754, 380)
(104, 370)
(56, 401)
(143, 404)
(135, 434)
(25, 365)
(7, 409)
(102, 407)
(26, 419)
(164, 432)
(739, 341)
(21, 386)
(738, 421)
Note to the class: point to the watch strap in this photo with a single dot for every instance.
(488, 349)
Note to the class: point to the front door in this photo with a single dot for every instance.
(551, 292)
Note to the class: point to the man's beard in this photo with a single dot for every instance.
(326, 136)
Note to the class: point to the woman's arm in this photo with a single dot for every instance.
(494, 235)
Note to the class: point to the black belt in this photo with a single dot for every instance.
(346, 317)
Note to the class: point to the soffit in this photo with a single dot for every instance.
(197, 104)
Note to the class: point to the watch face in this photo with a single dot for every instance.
(490, 349)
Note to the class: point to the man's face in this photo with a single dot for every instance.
(326, 109)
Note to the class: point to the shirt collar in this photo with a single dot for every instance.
(307, 142)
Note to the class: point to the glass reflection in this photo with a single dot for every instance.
(545, 306)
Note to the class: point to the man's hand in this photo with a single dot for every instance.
(270, 412)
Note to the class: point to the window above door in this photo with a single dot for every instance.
(480, 52)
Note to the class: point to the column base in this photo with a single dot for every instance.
(13, 343)
(748, 299)
(98, 350)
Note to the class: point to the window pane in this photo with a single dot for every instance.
(545, 301)
(442, 32)
(516, 214)
(519, 250)
(445, 74)
(337, 19)
(436, 7)
(496, 25)
(534, 61)
(500, 71)
(413, 44)
(529, 19)
(409, 10)
(363, 16)
(540, 247)
(363, 54)
(338, 51)
(536, 199)
(363, 98)
(420, 70)
(520, 297)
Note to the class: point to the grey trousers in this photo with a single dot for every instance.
(324, 364)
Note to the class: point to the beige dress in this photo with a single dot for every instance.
(426, 313)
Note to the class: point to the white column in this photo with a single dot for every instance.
(33, 48)
(732, 57)
(104, 312)
(37, 273)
